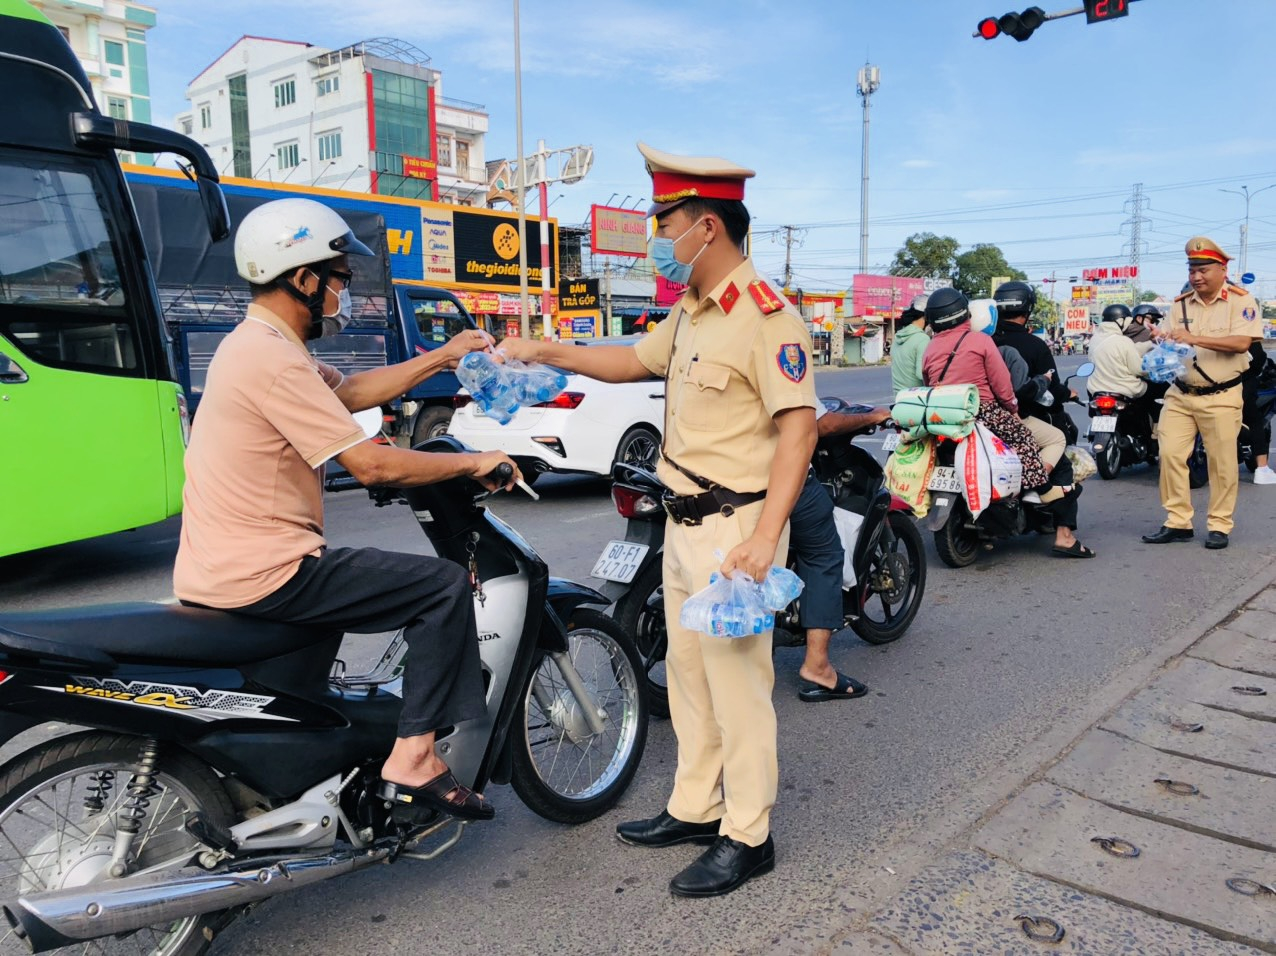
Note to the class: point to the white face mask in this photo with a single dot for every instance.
(336, 323)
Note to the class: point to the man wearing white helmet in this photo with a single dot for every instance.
(252, 527)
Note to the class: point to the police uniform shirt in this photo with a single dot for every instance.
(1233, 312)
(741, 357)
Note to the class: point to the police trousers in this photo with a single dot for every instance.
(1218, 419)
(719, 692)
(367, 591)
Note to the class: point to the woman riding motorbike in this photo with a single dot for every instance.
(958, 355)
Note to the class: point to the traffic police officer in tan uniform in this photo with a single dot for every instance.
(739, 436)
(1220, 321)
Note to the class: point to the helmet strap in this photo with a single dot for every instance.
(313, 301)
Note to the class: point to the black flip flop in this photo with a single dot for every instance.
(1078, 550)
(846, 688)
(444, 793)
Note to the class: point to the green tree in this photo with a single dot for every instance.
(926, 255)
(974, 269)
(1046, 314)
(1149, 296)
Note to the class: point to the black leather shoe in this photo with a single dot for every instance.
(1216, 540)
(665, 830)
(1166, 535)
(723, 867)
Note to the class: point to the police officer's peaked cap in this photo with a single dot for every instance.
(675, 179)
(1202, 249)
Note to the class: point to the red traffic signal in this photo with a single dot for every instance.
(1018, 25)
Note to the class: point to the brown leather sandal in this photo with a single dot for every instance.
(443, 793)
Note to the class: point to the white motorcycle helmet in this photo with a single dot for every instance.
(983, 315)
(279, 237)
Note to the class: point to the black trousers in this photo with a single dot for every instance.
(366, 591)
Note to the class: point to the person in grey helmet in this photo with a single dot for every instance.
(909, 347)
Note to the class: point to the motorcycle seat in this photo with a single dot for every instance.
(151, 633)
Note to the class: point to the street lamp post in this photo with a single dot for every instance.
(1244, 192)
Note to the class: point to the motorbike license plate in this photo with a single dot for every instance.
(890, 442)
(619, 561)
(945, 479)
(1103, 423)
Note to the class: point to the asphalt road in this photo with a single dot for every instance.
(1002, 655)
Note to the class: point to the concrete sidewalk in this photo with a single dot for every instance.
(1154, 833)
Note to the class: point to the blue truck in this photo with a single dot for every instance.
(203, 297)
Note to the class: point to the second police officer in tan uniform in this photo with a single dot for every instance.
(1220, 321)
(739, 435)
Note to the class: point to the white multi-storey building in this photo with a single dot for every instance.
(369, 117)
(109, 37)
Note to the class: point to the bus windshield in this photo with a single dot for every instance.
(61, 299)
(54, 245)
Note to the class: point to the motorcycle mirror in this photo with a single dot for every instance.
(1085, 371)
(370, 421)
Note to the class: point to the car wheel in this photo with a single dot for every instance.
(640, 446)
(430, 423)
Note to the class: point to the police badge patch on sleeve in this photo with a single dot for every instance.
(792, 361)
(1249, 314)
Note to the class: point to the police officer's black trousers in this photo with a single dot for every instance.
(367, 591)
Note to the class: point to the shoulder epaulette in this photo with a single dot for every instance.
(766, 299)
(1180, 298)
(1239, 289)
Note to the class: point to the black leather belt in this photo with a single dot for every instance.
(1211, 389)
(693, 509)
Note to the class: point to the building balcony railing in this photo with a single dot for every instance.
(466, 105)
(471, 174)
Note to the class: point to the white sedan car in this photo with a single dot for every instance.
(586, 429)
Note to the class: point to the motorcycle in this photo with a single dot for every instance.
(959, 537)
(1248, 445)
(888, 556)
(229, 759)
(1120, 433)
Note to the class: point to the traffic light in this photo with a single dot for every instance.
(1018, 25)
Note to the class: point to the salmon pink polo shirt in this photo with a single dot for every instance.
(252, 506)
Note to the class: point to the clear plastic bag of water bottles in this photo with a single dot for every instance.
(739, 606)
(1167, 361)
(501, 388)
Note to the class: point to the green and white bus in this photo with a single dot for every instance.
(92, 420)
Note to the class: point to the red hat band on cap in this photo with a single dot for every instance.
(1207, 255)
(671, 187)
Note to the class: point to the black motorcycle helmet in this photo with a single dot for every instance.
(1149, 311)
(1118, 315)
(946, 308)
(1014, 299)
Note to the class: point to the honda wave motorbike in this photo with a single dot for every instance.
(229, 759)
(1120, 433)
(959, 536)
(888, 555)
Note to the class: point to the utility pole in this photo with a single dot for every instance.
(867, 84)
(607, 291)
(1244, 192)
(1136, 204)
(792, 234)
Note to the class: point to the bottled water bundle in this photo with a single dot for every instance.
(739, 606)
(502, 388)
(1167, 361)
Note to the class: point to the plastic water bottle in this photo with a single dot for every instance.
(537, 385)
(780, 588)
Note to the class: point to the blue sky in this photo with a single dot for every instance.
(1034, 146)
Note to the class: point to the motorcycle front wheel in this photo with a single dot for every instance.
(561, 769)
(896, 582)
(58, 810)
